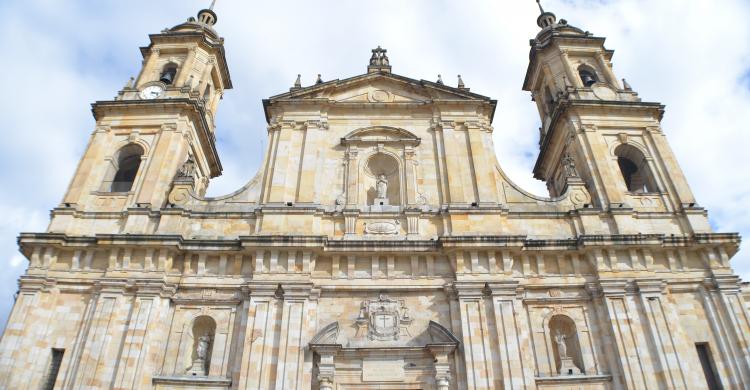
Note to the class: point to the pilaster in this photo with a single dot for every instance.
(475, 335)
(513, 334)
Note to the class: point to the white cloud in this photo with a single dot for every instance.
(61, 56)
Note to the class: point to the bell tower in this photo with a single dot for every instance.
(596, 129)
(160, 124)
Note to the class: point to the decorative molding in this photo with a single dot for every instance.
(384, 227)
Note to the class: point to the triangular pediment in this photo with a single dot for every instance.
(379, 88)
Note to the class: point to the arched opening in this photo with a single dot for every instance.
(168, 73)
(128, 161)
(382, 181)
(204, 332)
(565, 345)
(635, 170)
(587, 75)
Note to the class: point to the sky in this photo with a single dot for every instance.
(60, 56)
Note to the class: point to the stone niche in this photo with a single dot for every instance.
(380, 174)
(197, 352)
(381, 180)
(386, 352)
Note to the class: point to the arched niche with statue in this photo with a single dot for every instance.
(380, 174)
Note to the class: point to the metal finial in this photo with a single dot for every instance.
(538, 2)
(213, 3)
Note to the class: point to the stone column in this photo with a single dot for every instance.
(294, 367)
(442, 366)
(664, 330)
(608, 73)
(307, 187)
(733, 321)
(327, 366)
(572, 76)
(148, 67)
(104, 337)
(625, 326)
(475, 335)
(23, 328)
(513, 334)
(484, 166)
(142, 350)
(283, 173)
(187, 67)
(453, 160)
(258, 351)
(410, 185)
(352, 176)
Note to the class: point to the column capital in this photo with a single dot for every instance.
(469, 290)
(651, 286)
(508, 289)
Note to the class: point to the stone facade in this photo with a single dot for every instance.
(380, 246)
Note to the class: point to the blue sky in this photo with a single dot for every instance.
(59, 56)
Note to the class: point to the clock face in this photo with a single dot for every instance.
(152, 92)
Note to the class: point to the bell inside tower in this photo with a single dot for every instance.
(168, 75)
(587, 77)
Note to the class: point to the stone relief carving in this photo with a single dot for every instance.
(341, 199)
(382, 227)
(380, 96)
(384, 319)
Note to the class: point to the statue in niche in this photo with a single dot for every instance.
(200, 364)
(567, 366)
(562, 348)
(202, 349)
(381, 187)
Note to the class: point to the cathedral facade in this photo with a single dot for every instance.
(381, 245)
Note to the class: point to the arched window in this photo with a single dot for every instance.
(204, 331)
(565, 345)
(634, 169)
(588, 76)
(168, 73)
(128, 162)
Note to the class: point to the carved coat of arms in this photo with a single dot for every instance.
(384, 318)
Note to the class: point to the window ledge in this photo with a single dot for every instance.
(654, 193)
(568, 379)
(197, 381)
(117, 194)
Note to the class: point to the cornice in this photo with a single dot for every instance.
(326, 244)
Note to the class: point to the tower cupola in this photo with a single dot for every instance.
(545, 19)
(208, 16)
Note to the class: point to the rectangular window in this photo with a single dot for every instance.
(709, 369)
(54, 368)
